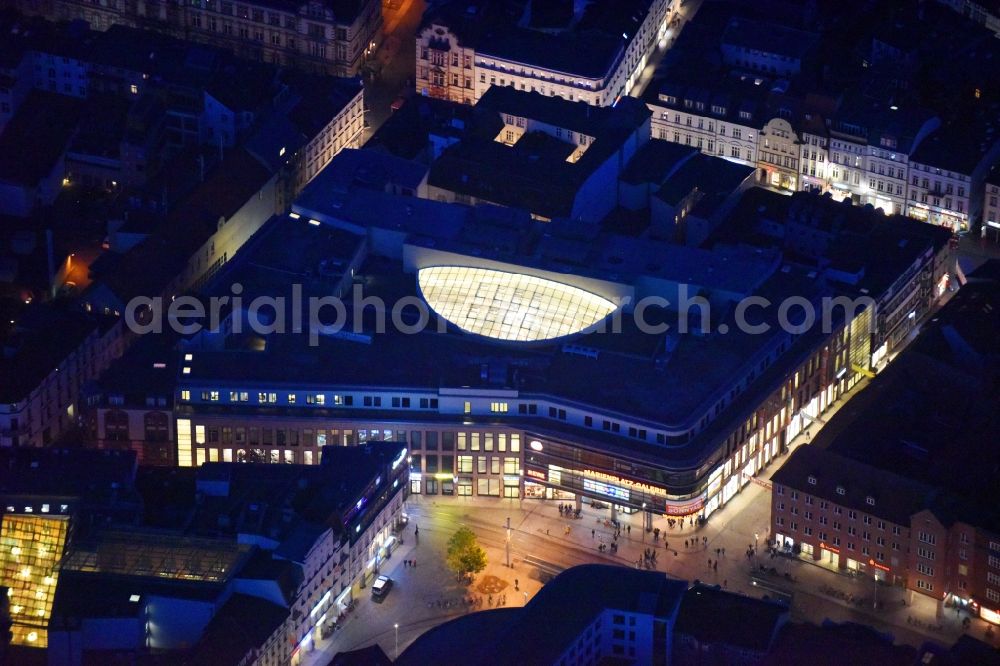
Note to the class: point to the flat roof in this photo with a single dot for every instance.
(529, 635)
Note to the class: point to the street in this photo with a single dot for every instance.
(390, 70)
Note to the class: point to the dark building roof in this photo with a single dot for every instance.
(768, 37)
(366, 656)
(836, 644)
(532, 634)
(150, 266)
(37, 136)
(714, 617)
(534, 173)
(712, 177)
(243, 624)
(291, 504)
(42, 338)
(895, 498)
(959, 146)
(90, 474)
(656, 160)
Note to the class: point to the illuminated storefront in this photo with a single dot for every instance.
(557, 470)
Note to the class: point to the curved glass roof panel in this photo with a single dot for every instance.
(510, 306)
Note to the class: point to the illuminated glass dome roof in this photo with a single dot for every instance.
(510, 306)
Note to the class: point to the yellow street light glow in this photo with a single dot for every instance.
(510, 306)
(32, 636)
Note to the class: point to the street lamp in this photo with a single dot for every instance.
(396, 627)
(644, 522)
(508, 542)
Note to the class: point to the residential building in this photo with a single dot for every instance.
(766, 47)
(595, 55)
(991, 204)
(913, 432)
(870, 148)
(947, 171)
(49, 355)
(717, 122)
(327, 37)
(336, 521)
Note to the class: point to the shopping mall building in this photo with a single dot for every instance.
(532, 378)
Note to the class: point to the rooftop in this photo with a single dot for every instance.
(37, 136)
(959, 146)
(768, 37)
(534, 173)
(241, 626)
(528, 635)
(42, 338)
(713, 616)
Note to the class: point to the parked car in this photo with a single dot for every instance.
(381, 587)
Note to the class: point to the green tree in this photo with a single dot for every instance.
(465, 557)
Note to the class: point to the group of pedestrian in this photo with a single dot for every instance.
(568, 511)
(714, 566)
(409, 563)
(501, 600)
(720, 551)
(650, 554)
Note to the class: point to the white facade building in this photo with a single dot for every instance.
(448, 68)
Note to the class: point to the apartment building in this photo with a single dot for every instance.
(50, 354)
(327, 36)
(991, 204)
(947, 173)
(900, 488)
(595, 57)
(724, 122)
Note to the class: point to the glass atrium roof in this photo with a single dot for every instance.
(510, 306)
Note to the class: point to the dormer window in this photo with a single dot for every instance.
(841, 490)
(812, 480)
(870, 500)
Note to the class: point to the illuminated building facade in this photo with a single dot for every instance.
(462, 54)
(900, 488)
(31, 548)
(329, 37)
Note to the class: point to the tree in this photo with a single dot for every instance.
(465, 556)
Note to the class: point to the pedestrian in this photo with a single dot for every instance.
(723, 552)
(593, 533)
(546, 531)
(629, 528)
(715, 567)
(489, 600)
(516, 584)
(725, 583)
(685, 543)
(710, 563)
